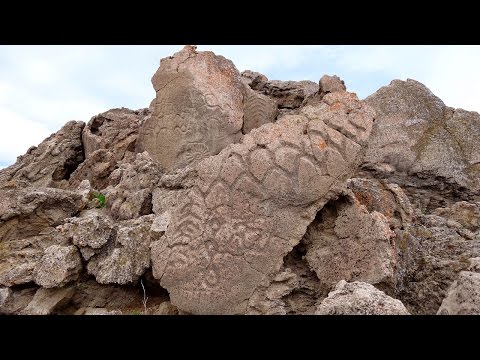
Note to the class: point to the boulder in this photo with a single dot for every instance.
(198, 109)
(359, 298)
(463, 297)
(58, 266)
(252, 203)
(47, 301)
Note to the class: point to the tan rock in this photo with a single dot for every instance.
(358, 298)
(198, 109)
(347, 242)
(463, 297)
(253, 202)
(58, 266)
(46, 301)
(166, 308)
(259, 109)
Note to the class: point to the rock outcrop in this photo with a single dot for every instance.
(252, 204)
(236, 194)
(359, 298)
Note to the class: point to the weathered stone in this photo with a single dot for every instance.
(246, 211)
(358, 298)
(259, 109)
(96, 169)
(115, 130)
(46, 301)
(328, 84)
(463, 297)
(16, 300)
(165, 308)
(27, 220)
(466, 214)
(101, 311)
(417, 144)
(48, 164)
(58, 266)
(5, 293)
(347, 242)
(129, 195)
(125, 258)
(198, 109)
(254, 79)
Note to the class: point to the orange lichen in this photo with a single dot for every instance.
(322, 144)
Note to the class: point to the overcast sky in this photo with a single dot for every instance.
(42, 87)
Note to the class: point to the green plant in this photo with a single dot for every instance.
(101, 199)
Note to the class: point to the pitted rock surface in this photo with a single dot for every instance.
(253, 202)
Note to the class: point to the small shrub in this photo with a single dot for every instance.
(101, 199)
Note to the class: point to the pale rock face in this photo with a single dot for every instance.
(416, 134)
(259, 109)
(115, 130)
(198, 109)
(252, 203)
(27, 227)
(5, 293)
(58, 266)
(463, 297)
(347, 242)
(46, 301)
(50, 163)
(359, 298)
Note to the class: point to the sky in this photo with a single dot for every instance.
(43, 87)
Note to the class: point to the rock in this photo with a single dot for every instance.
(90, 231)
(416, 144)
(96, 169)
(126, 257)
(165, 308)
(115, 130)
(27, 220)
(160, 224)
(198, 109)
(129, 194)
(252, 203)
(253, 79)
(359, 298)
(5, 293)
(48, 164)
(90, 294)
(345, 241)
(466, 214)
(259, 109)
(16, 300)
(101, 311)
(46, 301)
(463, 297)
(58, 266)
(329, 84)
(474, 265)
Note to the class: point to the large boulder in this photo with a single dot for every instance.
(359, 298)
(347, 242)
(463, 297)
(198, 109)
(421, 144)
(58, 266)
(252, 203)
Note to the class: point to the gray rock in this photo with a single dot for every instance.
(417, 140)
(165, 308)
(46, 301)
(49, 164)
(58, 266)
(259, 109)
(198, 109)
(463, 297)
(252, 204)
(358, 298)
(5, 293)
